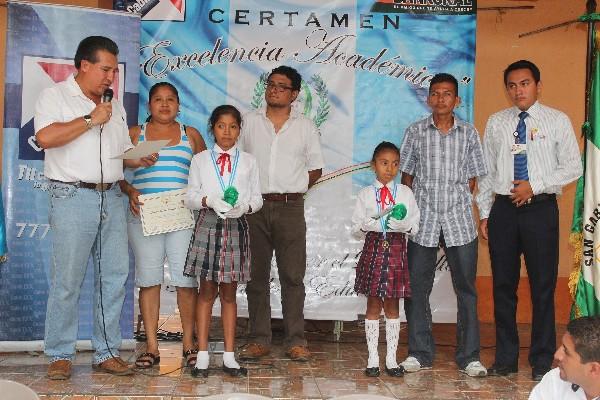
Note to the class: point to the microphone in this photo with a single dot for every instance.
(107, 95)
(106, 98)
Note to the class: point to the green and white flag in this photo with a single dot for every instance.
(584, 281)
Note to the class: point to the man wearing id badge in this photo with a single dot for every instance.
(531, 153)
(440, 158)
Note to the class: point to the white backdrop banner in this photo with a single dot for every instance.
(366, 67)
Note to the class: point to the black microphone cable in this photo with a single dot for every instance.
(106, 97)
(108, 93)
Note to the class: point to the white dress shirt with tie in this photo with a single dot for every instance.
(553, 157)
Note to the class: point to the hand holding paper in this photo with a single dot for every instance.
(143, 149)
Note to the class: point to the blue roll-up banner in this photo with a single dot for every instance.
(41, 43)
(366, 66)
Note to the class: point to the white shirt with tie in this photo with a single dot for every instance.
(203, 179)
(553, 158)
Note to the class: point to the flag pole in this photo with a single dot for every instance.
(590, 9)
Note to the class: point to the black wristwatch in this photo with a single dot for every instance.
(88, 121)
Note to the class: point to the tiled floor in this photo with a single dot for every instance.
(335, 369)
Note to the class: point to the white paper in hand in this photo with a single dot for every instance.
(143, 149)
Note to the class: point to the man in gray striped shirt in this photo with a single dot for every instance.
(440, 158)
(531, 152)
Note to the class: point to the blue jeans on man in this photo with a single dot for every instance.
(77, 226)
(462, 261)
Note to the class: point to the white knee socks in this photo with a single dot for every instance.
(392, 334)
(229, 360)
(372, 333)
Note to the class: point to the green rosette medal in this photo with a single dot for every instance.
(230, 194)
(398, 212)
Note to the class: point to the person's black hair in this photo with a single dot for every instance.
(523, 64)
(157, 86)
(290, 73)
(585, 332)
(444, 77)
(224, 109)
(89, 47)
(385, 146)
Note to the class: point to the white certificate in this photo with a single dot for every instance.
(165, 212)
(143, 149)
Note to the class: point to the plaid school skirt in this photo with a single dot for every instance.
(383, 272)
(219, 250)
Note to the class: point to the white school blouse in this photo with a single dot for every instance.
(366, 207)
(203, 179)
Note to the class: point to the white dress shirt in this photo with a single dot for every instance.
(366, 207)
(284, 158)
(204, 181)
(553, 158)
(553, 388)
(79, 160)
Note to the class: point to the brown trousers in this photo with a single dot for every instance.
(279, 226)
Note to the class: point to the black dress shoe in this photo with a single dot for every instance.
(502, 370)
(397, 372)
(538, 372)
(372, 372)
(196, 372)
(235, 372)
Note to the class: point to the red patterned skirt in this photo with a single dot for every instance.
(383, 271)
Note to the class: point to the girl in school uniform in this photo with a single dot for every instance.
(382, 270)
(224, 185)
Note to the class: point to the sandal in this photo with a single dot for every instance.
(190, 357)
(147, 360)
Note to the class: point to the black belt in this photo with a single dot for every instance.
(100, 187)
(282, 196)
(538, 198)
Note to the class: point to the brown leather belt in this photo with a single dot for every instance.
(282, 196)
(100, 187)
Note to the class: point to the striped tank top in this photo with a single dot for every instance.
(171, 170)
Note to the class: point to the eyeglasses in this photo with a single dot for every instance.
(278, 88)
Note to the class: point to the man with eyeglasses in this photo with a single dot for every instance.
(287, 146)
(531, 152)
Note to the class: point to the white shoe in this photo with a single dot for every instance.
(475, 369)
(411, 364)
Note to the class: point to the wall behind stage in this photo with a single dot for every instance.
(560, 53)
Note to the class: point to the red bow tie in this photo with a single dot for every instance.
(385, 197)
(223, 159)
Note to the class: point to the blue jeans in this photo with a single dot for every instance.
(462, 261)
(74, 216)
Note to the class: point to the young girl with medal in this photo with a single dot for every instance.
(224, 185)
(385, 213)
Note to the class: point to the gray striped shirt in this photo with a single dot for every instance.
(442, 165)
(553, 158)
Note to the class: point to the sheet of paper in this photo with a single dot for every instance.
(143, 149)
(165, 212)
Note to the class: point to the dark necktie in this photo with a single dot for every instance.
(521, 159)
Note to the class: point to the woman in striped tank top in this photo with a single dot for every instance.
(170, 172)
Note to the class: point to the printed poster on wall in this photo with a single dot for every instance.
(41, 43)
